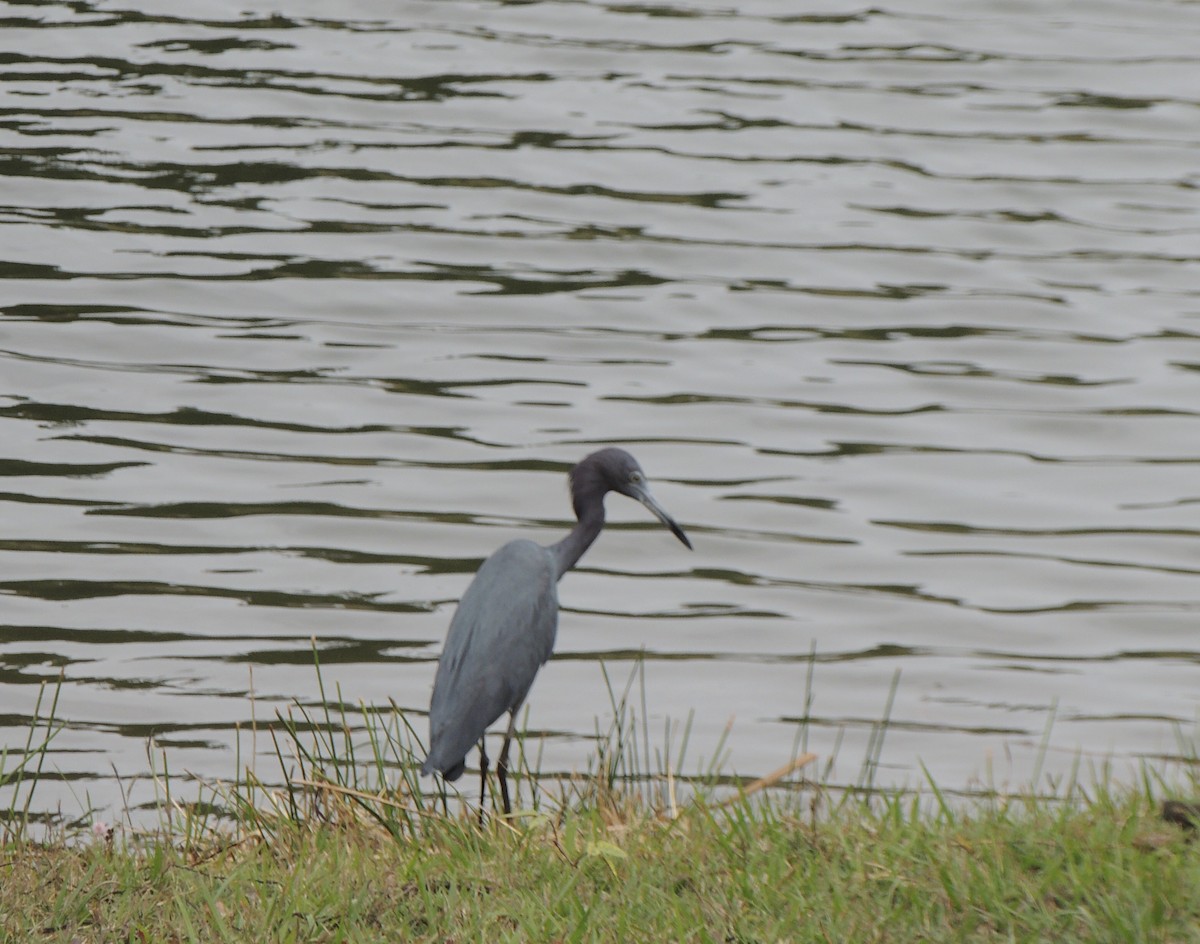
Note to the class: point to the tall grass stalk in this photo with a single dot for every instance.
(20, 774)
(866, 777)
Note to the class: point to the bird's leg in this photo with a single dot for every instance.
(483, 769)
(502, 763)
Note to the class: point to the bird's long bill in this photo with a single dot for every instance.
(643, 495)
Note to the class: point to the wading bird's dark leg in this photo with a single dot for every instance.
(483, 769)
(502, 763)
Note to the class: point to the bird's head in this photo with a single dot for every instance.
(615, 470)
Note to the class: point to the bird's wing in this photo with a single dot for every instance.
(501, 634)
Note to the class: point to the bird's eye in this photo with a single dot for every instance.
(635, 477)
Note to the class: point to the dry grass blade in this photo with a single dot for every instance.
(770, 780)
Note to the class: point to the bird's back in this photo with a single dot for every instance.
(501, 634)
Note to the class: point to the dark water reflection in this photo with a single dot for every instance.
(301, 315)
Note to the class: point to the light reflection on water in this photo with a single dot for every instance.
(302, 317)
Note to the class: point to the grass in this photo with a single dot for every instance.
(346, 848)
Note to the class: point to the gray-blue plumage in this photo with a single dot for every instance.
(470, 690)
(504, 628)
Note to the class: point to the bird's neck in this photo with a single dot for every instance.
(568, 551)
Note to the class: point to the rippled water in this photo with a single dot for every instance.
(304, 313)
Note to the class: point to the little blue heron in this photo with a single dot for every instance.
(503, 630)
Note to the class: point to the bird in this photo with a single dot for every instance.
(504, 627)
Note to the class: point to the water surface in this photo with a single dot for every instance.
(305, 313)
